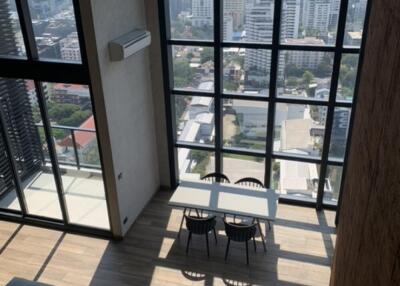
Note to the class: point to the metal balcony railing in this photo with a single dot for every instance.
(79, 154)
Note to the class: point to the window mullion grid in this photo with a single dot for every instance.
(331, 102)
(218, 68)
(272, 91)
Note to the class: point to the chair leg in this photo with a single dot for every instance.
(183, 218)
(254, 242)
(208, 247)
(227, 249)
(188, 241)
(247, 252)
(215, 236)
(197, 212)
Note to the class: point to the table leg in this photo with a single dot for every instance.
(180, 227)
(262, 235)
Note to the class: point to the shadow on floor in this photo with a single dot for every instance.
(298, 253)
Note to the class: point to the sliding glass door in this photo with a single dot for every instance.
(51, 167)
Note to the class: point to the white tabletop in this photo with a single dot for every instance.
(226, 198)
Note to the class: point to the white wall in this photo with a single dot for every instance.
(125, 88)
(158, 91)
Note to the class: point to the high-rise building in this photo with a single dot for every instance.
(258, 26)
(316, 16)
(340, 130)
(355, 14)
(177, 6)
(69, 48)
(235, 9)
(202, 13)
(228, 28)
(334, 14)
(290, 19)
(16, 113)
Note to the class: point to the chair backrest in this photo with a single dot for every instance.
(216, 177)
(199, 225)
(250, 182)
(239, 232)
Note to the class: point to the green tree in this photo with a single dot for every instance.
(350, 61)
(231, 85)
(206, 55)
(292, 81)
(324, 69)
(183, 73)
(59, 111)
(291, 70)
(308, 78)
(76, 119)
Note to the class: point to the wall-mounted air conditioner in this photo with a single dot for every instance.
(128, 44)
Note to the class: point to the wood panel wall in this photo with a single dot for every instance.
(368, 241)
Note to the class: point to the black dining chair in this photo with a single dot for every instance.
(240, 233)
(200, 226)
(251, 182)
(216, 177)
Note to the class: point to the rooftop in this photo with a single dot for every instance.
(305, 41)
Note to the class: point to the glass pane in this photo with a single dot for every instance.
(194, 119)
(347, 77)
(309, 22)
(355, 22)
(193, 68)
(245, 123)
(332, 184)
(192, 19)
(299, 129)
(194, 164)
(89, 156)
(295, 180)
(340, 132)
(246, 71)
(237, 167)
(70, 111)
(304, 74)
(8, 194)
(248, 20)
(11, 40)
(24, 122)
(55, 30)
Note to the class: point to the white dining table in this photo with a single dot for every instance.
(225, 198)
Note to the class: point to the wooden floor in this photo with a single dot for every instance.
(300, 246)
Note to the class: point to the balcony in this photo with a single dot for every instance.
(81, 175)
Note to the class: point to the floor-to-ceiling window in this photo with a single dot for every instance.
(50, 164)
(263, 89)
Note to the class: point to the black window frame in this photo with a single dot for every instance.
(41, 70)
(275, 47)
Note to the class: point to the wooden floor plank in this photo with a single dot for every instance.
(300, 247)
